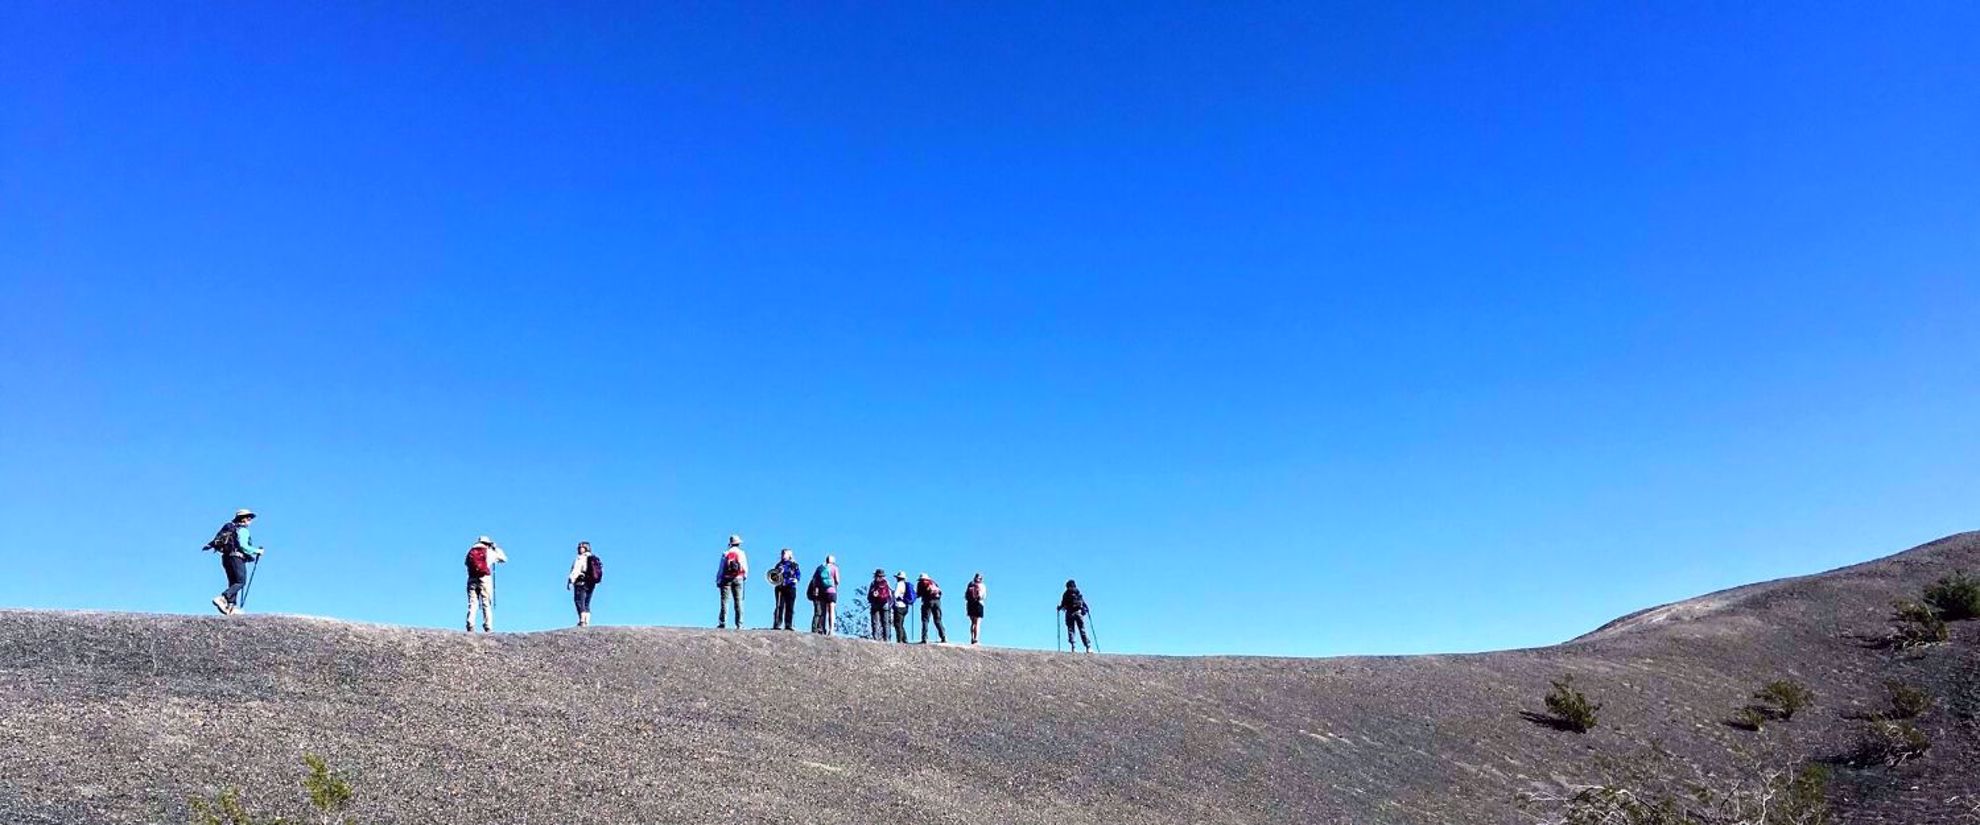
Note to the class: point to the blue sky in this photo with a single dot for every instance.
(1292, 328)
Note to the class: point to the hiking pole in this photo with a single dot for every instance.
(1055, 630)
(249, 586)
(1093, 629)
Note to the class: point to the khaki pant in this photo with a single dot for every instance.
(481, 591)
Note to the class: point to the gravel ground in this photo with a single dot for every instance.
(118, 718)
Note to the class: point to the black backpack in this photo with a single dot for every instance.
(594, 571)
(228, 540)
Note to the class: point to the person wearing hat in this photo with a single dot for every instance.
(788, 574)
(930, 595)
(730, 573)
(481, 560)
(1074, 606)
(973, 605)
(903, 601)
(236, 552)
(879, 604)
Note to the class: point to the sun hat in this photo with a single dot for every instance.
(900, 574)
(243, 513)
(485, 541)
(735, 540)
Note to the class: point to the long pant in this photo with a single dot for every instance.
(733, 588)
(780, 618)
(236, 568)
(481, 591)
(900, 623)
(932, 608)
(1077, 621)
(877, 618)
(581, 596)
(827, 617)
(817, 616)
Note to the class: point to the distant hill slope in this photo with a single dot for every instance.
(119, 718)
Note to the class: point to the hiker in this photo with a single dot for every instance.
(236, 551)
(1075, 609)
(729, 576)
(880, 604)
(973, 596)
(903, 601)
(825, 582)
(786, 575)
(481, 561)
(586, 572)
(930, 595)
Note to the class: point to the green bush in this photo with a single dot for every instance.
(1751, 718)
(1782, 698)
(1955, 597)
(1889, 742)
(1915, 624)
(1907, 702)
(329, 794)
(1570, 706)
(1753, 795)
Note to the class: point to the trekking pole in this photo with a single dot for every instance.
(249, 586)
(1055, 630)
(1094, 629)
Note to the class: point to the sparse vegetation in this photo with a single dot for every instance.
(1955, 597)
(1783, 698)
(1754, 796)
(328, 792)
(1751, 717)
(1907, 702)
(1916, 624)
(1571, 707)
(1890, 743)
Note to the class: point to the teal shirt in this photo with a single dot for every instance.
(241, 533)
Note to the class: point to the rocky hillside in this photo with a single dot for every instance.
(121, 718)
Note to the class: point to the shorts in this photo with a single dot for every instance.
(974, 610)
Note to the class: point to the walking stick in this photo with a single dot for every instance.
(1055, 630)
(249, 586)
(1093, 629)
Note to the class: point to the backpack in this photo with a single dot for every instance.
(973, 593)
(594, 570)
(477, 561)
(880, 591)
(930, 590)
(228, 540)
(732, 565)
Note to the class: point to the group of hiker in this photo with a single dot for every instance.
(889, 603)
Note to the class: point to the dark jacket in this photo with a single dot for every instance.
(1072, 602)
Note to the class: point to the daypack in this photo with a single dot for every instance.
(228, 540)
(732, 565)
(477, 561)
(973, 593)
(880, 591)
(929, 589)
(594, 571)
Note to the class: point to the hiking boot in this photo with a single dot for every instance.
(220, 604)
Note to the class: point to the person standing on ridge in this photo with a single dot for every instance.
(236, 552)
(903, 602)
(930, 595)
(586, 572)
(730, 574)
(1074, 606)
(879, 605)
(826, 580)
(481, 561)
(788, 573)
(973, 596)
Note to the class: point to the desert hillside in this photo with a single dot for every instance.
(109, 717)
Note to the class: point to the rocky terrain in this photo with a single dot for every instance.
(121, 718)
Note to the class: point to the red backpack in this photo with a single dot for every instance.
(880, 591)
(477, 561)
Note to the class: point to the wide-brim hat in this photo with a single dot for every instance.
(485, 541)
(900, 574)
(243, 513)
(735, 540)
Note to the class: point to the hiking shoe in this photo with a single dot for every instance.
(220, 604)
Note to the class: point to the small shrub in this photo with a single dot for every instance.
(1955, 597)
(1915, 624)
(226, 808)
(1889, 742)
(1570, 706)
(1752, 795)
(1782, 698)
(1907, 702)
(329, 793)
(1751, 718)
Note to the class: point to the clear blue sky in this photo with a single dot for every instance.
(1296, 328)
